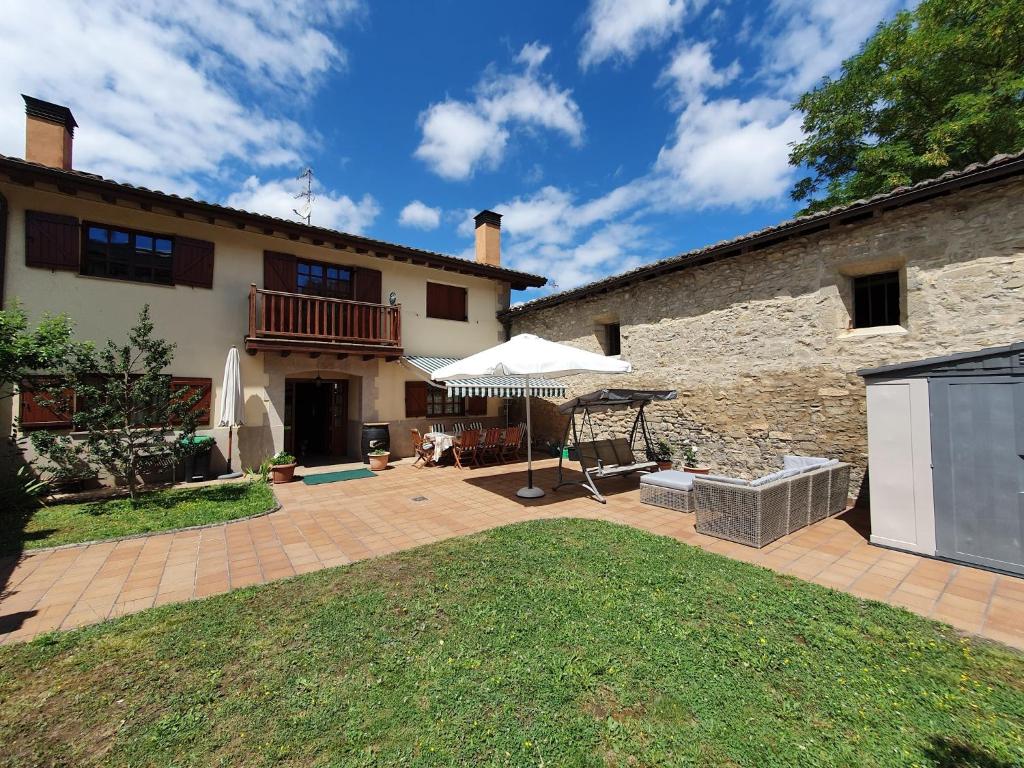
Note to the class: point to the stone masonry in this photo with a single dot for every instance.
(760, 345)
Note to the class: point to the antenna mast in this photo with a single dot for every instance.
(305, 210)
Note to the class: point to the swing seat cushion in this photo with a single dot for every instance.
(607, 458)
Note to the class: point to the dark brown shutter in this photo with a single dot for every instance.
(192, 386)
(457, 303)
(476, 406)
(446, 302)
(38, 412)
(415, 399)
(193, 262)
(367, 288)
(52, 241)
(279, 272)
(436, 300)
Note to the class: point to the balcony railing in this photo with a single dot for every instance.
(294, 317)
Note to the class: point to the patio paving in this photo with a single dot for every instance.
(328, 525)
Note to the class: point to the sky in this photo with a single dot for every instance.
(608, 133)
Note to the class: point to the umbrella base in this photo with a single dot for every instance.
(530, 492)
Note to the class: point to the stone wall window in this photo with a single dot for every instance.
(876, 300)
(612, 339)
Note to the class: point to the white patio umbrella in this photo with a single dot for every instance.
(231, 404)
(527, 355)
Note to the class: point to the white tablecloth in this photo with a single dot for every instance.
(441, 441)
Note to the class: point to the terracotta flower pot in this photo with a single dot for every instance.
(697, 470)
(663, 465)
(282, 473)
(379, 461)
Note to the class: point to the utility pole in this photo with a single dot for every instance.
(305, 210)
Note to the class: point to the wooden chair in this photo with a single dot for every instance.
(424, 451)
(491, 444)
(510, 445)
(468, 446)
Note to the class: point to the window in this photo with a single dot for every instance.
(440, 403)
(127, 255)
(446, 302)
(612, 344)
(315, 278)
(876, 300)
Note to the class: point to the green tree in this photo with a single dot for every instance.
(25, 350)
(134, 420)
(935, 88)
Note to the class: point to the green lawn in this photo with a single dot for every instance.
(155, 511)
(555, 643)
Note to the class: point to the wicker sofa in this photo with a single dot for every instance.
(757, 512)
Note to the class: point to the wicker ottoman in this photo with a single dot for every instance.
(669, 489)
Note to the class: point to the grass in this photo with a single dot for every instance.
(554, 643)
(154, 511)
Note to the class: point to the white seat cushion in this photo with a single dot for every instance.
(726, 479)
(780, 475)
(670, 478)
(802, 462)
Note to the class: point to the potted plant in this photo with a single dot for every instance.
(663, 454)
(378, 457)
(690, 461)
(282, 467)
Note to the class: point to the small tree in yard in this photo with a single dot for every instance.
(25, 350)
(135, 422)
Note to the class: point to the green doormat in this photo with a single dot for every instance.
(336, 477)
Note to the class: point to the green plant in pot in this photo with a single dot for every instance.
(690, 461)
(662, 454)
(378, 456)
(282, 467)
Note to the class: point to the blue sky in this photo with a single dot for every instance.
(609, 133)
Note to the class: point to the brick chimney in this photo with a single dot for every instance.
(488, 238)
(49, 133)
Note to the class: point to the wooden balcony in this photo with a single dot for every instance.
(294, 322)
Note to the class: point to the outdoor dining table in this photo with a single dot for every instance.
(442, 442)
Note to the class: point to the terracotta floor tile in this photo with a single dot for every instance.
(335, 524)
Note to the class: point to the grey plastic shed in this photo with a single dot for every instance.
(946, 456)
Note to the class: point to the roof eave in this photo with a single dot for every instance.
(71, 182)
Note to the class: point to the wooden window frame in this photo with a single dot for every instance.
(326, 265)
(133, 234)
(446, 313)
(869, 316)
(441, 405)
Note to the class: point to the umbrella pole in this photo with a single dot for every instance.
(229, 475)
(529, 492)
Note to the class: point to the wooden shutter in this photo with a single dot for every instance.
(52, 241)
(193, 385)
(446, 302)
(36, 413)
(457, 303)
(279, 272)
(476, 406)
(415, 399)
(367, 287)
(193, 262)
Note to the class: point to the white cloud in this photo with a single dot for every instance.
(419, 215)
(691, 71)
(617, 29)
(811, 38)
(330, 209)
(459, 137)
(729, 152)
(155, 86)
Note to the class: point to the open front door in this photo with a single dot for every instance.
(339, 419)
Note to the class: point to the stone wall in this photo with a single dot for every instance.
(760, 345)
